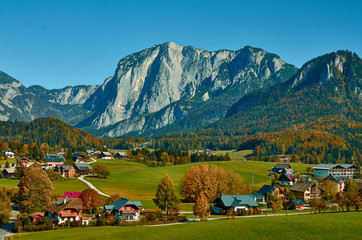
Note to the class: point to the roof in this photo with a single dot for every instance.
(336, 178)
(298, 202)
(121, 153)
(71, 195)
(236, 200)
(256, 195)
(59, 207)
(106, 153)
(124, 201)
(282, 166)
(10, 169)
(288, 176)
(301, 186)
(66, 167)
(33, 215)
(54, 159)
(329, 166)
(82, 166)
(267, 189)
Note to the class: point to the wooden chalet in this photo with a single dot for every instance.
(306, 191)
(105, 155)
(8, 172)
(124, 209)
(65, 211)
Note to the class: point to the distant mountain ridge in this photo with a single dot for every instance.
(167, 87)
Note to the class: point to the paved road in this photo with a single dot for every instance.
(81, 178)
(6, 229)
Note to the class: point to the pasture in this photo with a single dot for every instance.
(311, 226)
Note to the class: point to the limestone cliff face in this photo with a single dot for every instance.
(153, 79)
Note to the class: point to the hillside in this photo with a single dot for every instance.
(47, 130)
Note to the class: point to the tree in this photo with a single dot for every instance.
(350, 194)
(19, 170)
(5, 207)
(90, 199)
(330, 190)
(101, 170)
(201, 207)
(35, 191)
(112, 199)
(211, 180)
(274, 201)
(166, 197)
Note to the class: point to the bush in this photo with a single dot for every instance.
(151, 217)
(182, 218)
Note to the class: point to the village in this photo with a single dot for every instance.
(287, 190)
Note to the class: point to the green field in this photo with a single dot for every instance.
(315, 226)
(59, 187)
(138, 181)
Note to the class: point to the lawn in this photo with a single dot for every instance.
(315, 226)
(139, 182)
(59, 187)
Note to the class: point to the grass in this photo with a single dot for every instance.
(138, 181)
(315, 226)
(59, 187)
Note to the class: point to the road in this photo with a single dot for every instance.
(81, 178)
(4, 230)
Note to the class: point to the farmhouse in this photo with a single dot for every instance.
(269, 189)
(91, 153)
(53, 162)
(306, 191)
(297, 204)
(120, 155)
(65, 170)
(287, 179)
(124, 209)
(344, 170)
(37, 216)
(8, 172)
(338, 179)
(282, 169)
(63, 212)
(105, 155)
(82, 168)
(8, 153)
(78, 157)
(233, 202)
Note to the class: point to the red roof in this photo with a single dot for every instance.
(71, 195)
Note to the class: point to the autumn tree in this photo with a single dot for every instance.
(330, 190)
(350, 193)
(166, 197)
(35, 191)
(5, 207)
(101, 170)
(201, 207)
(274, 201)
(112, 198)
(90, 199)
(211, 180)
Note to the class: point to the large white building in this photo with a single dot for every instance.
(344, 170)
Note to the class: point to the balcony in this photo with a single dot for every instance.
(69, 214)
(129, 211)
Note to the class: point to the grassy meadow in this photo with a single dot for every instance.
(139, 182)
(315, 226)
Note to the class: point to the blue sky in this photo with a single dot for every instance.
(66, 43)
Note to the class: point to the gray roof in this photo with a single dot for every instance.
(282, 166)
(301, 186)
(10, 170)
(267, 189)
(237, 200)
(66, 167)
(82, 166)
(336, 178)
(329, 166)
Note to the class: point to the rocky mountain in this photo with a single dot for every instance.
(170, 88)
(165, 88)
(329, 86)
(20, 103)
